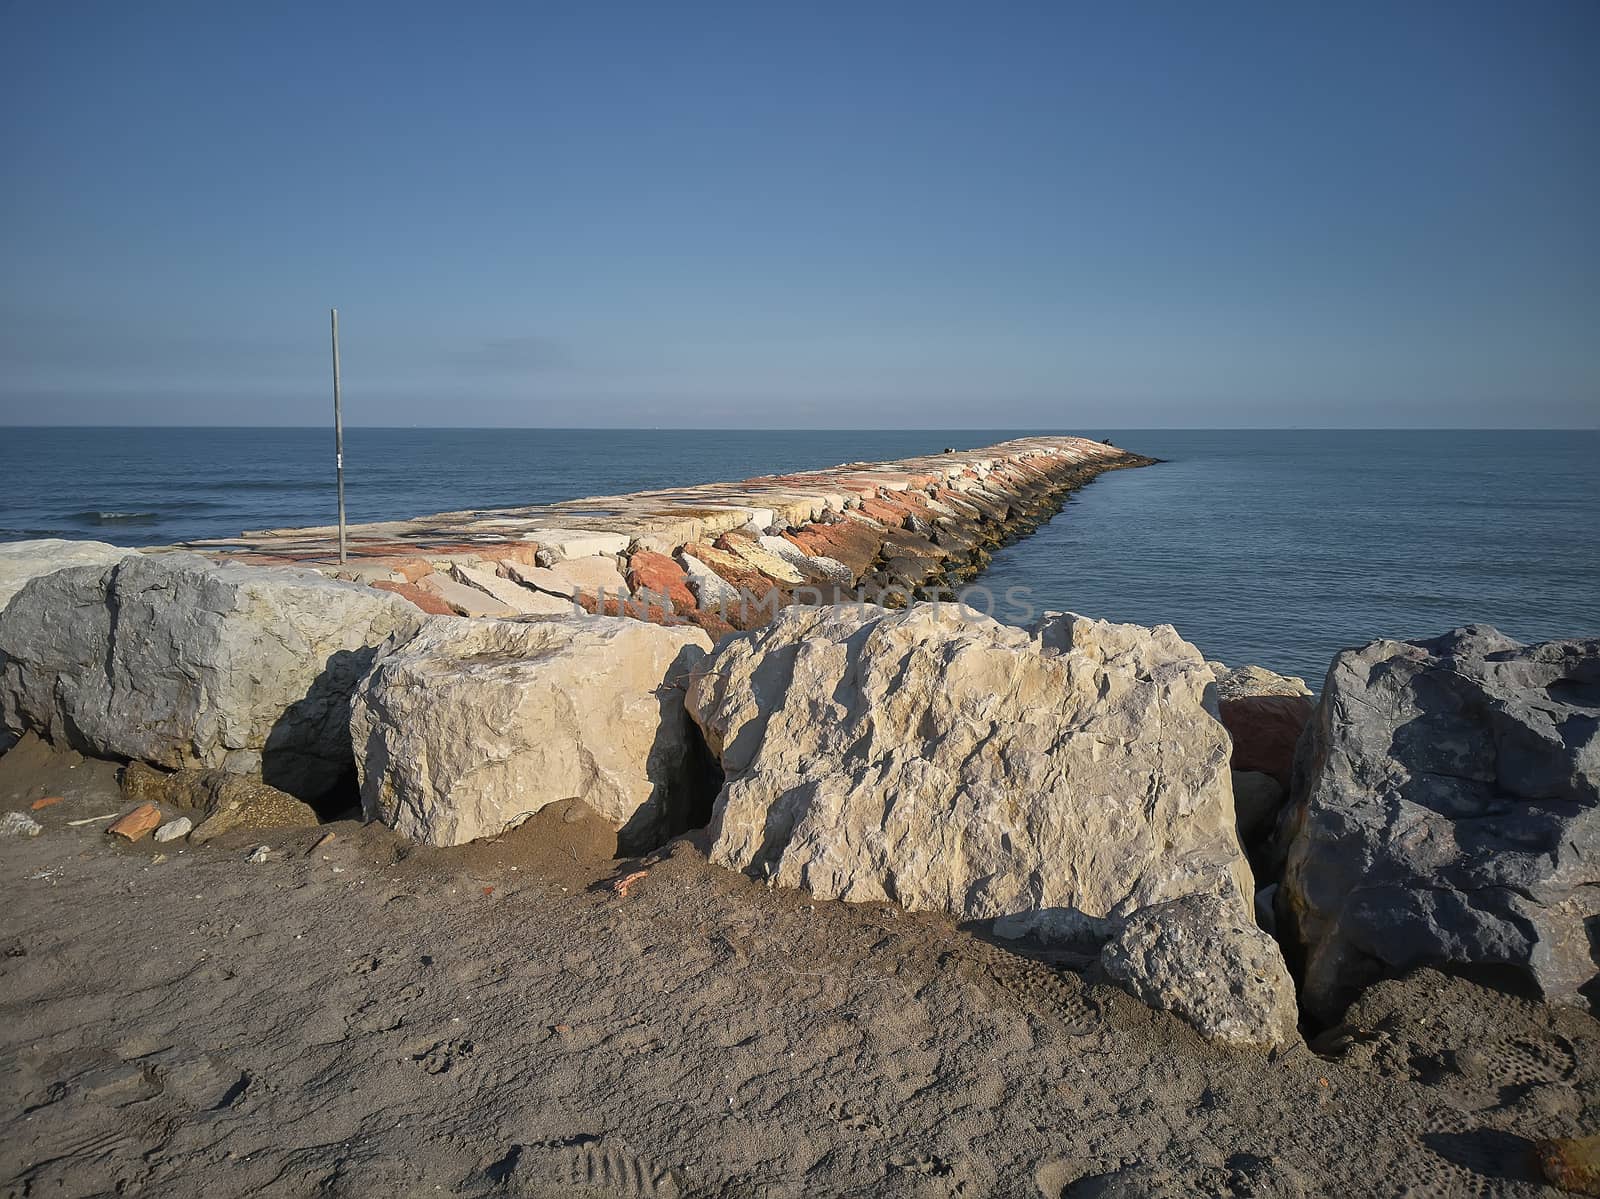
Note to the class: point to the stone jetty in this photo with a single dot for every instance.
(719, 555)
(1097, 790)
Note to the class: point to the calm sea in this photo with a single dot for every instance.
(1275, 547)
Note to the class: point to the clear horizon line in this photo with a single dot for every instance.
(1019, 429)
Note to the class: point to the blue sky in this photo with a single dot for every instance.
(781, 215)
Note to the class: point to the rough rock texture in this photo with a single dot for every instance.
(230, 802)
(1205, 960)
(712, 592)
(24, 560)
(1448, 813)
(663, 579)
(573, 577)
(472, 726)
(142, 783)
(1241, 682)
(180, 661)
(1264, 713)
(1257, 800)
(811, 566)
(747, 548)
(1055, 781)
(19, 824)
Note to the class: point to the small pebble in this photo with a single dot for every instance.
(19, 824)
(258, 854)
(173, 829)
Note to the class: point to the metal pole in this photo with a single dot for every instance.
(338, 431)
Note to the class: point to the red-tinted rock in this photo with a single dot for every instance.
(853, 542)
(419, 597)
(882, 511)
(140, 822)
(763, 595)
(1265, 729)
(713, 624)
(661, 576)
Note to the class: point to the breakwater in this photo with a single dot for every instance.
(720, 555)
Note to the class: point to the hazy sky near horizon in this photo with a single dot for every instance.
(803, 215)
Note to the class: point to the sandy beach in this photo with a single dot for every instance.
(371, 1017)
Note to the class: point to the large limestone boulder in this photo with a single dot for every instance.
(1205, 960)
(1447, 814)
(473, 725)
(24, 560)
(184, 662)
(1054, 781)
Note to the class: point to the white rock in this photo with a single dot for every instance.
(711, 590)
(472, 726)
(767, 562)
(467, 600)
(177, 660)
(523, 601)
(259, 854)
(757, 520)
(19, 824)
(567, 578)
(560, 544)
(1204, 959)
(1059, 781)
(828, 568)
(173, 829)
(542, 578)
(24, 560)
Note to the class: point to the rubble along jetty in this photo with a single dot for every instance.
(719, 555)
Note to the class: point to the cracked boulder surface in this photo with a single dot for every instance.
(1447, 812)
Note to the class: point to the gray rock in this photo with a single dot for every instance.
(24, 560)
(711, 590)
(259, 854)
(19, 824)
(1447, 813)
(1205, 960)
(174, 829)
(1257, 799)
(1053, 782)
(180, 661)
(1266, 909)
(474, 725)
